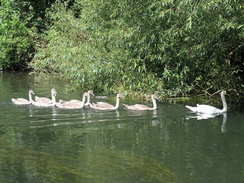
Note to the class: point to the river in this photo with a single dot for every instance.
(45, 145)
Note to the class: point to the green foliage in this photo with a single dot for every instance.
(89, 54)
(15, 43)
(173, 47)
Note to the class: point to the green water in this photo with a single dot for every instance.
(47, 145)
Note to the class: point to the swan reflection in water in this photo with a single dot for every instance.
(53, 112)
(201, 116)
(155, 120)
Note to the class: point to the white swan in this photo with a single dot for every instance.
(22, 101)
(73, 104)
(102, 104)
(46, 102)
(141, 107)
(207, 109)
(79, 102)
(106, 106)
(45, 99)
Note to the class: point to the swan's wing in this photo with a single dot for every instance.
(69, 105)
(97, 107)
(141, 106)
(20, 101)
(42, 99)
(43, 104)
(103, 104)
(75, 101)
(61, 101)
(207, 109)
(138, 107)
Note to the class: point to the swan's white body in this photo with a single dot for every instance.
(46, 102)
(45, 99)
(106, 106)
(23, 101)
(141, 107)
(103, 104)
(73, 104)
(76, 104)
(207, 109)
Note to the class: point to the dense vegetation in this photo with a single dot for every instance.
(173, 47)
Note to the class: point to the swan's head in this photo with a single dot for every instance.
(155, 96)
(120, 95)
(31, 92)
(90, 92)
(53, 92)
(223, 92)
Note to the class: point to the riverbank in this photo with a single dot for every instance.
(52, 80)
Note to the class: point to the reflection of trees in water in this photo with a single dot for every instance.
(207, 154)
(148, 146)
(102, 165)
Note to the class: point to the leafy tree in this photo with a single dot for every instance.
(15, 43)
(173, 47)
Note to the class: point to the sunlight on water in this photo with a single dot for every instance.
(169, 145)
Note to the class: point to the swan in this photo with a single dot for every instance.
(207, 109)
(141, 107)
(103, 106)
(73, 104)
(46, 102)
(45, 99)
(22, 101)
(79, 102)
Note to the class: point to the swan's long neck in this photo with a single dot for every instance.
(30, 97)
(84, 97)
(53, 99)
(88, 99)
(224, 103)
(117, 103)
(154, 103)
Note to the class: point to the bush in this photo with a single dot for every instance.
(15, 41)
(92, 58)
(173, 47)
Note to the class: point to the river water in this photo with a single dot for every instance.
(45, 145)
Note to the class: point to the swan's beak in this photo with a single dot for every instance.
(121, 95)
(91, 92)
(32, 92)
(55, 93)
(156, 96)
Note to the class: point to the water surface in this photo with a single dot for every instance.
(53, 145)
